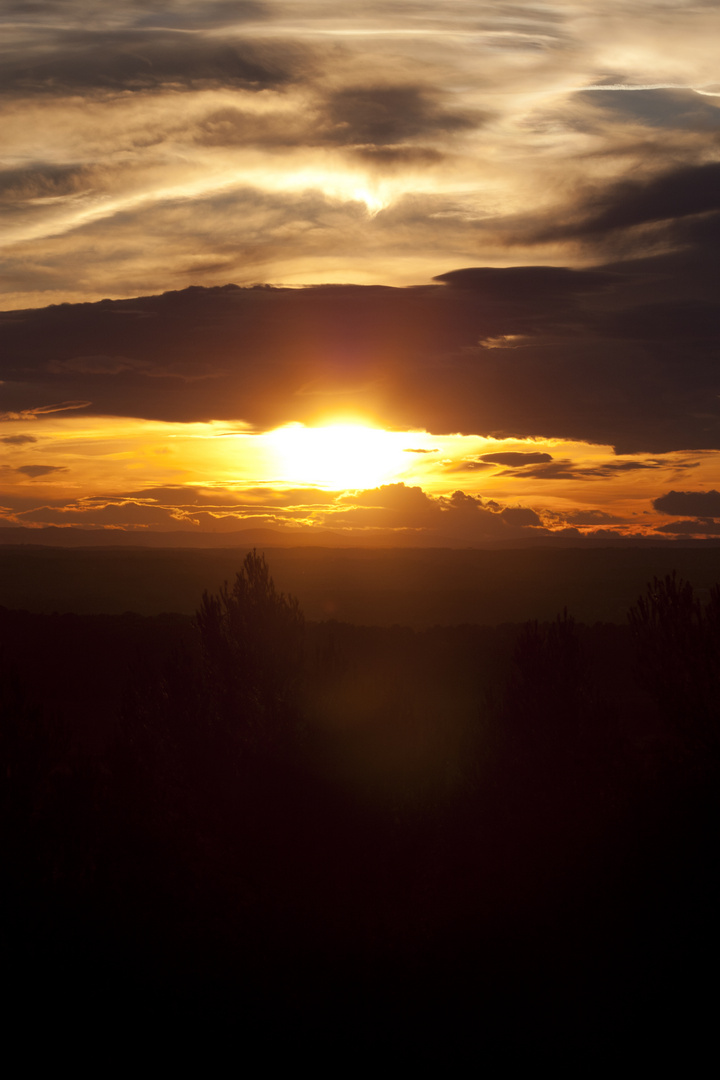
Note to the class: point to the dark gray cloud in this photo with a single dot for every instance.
(520, 515)
(683, 110)
(677, 193)
(459, 516)
(379, 124)
(210, 13)
(35, 471)
(568, 470)
(316, 126)
(704, 504)
(82, 61)
(598, 360)
(383, 116)
(516, 459)
(700, 527)
(683, 320)
(43, 180)
(17, 440)
(553, 470)
(529, 284)
(391, 158)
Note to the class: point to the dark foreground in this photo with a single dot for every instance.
(241, 823)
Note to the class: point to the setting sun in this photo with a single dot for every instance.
(338, 455)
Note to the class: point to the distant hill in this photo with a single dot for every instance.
(53, 536)
(418, 587)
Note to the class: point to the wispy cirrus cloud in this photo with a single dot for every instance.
(44, 410)
(379, 134)
(17, 440)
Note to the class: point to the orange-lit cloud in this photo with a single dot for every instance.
(525, 198)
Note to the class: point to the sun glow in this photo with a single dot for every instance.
(339, 456)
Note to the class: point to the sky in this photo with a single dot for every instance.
(427, 273)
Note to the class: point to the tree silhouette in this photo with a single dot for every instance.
(252, 650)
(677, 642)
(556, 732)
(546, 695)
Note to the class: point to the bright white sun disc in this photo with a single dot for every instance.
(338, 456)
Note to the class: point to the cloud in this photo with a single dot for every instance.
(704, 504)
(391, 508)
(380, 124)
(17, 440)
(172, 13)
(520, 515)
(567, 470)
(677, 193)
(36, 471)
(44, 181)
(459, 128)
(590, 517)
(387, 115)
(457, 517)
(408, 356)
(573, 234)
(232, 126)
(657, 107)
(395, 505)
(393, 159)
(702, 527)
(85, 60)
(465, 466)
(553, 470)
(529, 284)
(211, 14)
(93, 365)
(516, 459)
(218, 498)
(44, 410)
(121, 514)
(180, 507)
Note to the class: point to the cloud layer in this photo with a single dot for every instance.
(293, 142)
(620, 356)
(525, 198)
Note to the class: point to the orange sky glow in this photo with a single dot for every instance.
(429, 274)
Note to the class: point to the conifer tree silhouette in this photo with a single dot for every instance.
(677, 642)
(252, 651)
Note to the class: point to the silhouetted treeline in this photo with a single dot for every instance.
(416, 587)
(244, 813)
